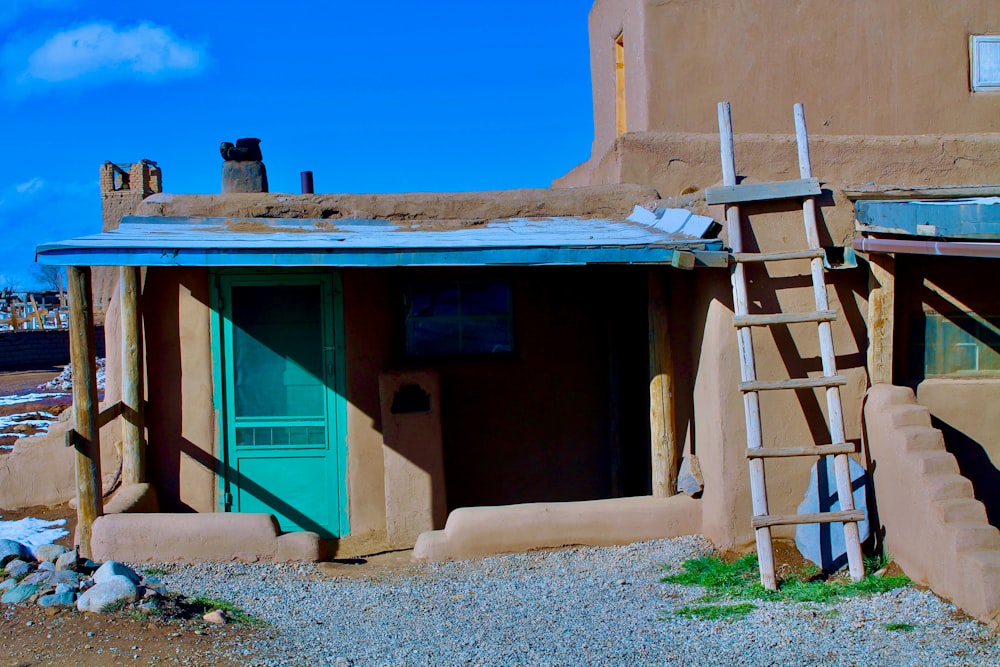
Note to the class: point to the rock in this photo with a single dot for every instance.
(67, 561)
(9, 550)
(115, 569)
(65, 577)
(48, 553)
(689, 478)
(823, 543)
(111, 591)
(17, 568)
(7, 584)
(19, 594)
(217, 617)
(64, 599)
(47, 567)
(37, 578)
(65, 588)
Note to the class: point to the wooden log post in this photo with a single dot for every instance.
(133, 446)
(662, 427)
(881, 314)
(88, 444)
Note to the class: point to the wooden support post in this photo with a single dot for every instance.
(133, 447)
(88, 446)
(662, 427)
(881, 314)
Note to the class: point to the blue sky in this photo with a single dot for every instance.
(372, 97)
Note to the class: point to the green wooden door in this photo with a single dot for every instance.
(282, 399)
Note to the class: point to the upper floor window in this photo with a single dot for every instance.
(984, 57)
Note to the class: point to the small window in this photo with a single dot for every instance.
(621, 124)
(960, 344)
(984, 56)
(459, 318)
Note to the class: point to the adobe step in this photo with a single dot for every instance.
(974, 536)
(961, 510)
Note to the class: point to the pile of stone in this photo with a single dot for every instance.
(64, 381)
(57, 577)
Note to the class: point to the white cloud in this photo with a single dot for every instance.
(104, 51)
(29, 187)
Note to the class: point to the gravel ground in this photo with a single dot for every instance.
(582, 606)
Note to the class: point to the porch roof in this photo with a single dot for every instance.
(303, 242)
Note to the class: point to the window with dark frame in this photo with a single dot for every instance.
(459, 318)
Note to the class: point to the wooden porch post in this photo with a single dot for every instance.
(662, 427)
(133, 447)
(881, 315)
(83, 354)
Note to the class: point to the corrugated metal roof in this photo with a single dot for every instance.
(193, 241)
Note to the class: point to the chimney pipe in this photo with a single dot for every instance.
(306, 177)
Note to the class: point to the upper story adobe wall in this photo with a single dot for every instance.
(892, 67)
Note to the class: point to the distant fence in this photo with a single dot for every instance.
(28, 350)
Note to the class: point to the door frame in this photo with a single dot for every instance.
(332, 290)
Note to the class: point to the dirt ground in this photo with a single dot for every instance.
(26, 382)
(32, 635)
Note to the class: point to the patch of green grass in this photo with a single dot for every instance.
(202, 605)
(155, 571)
(899, 627)
(715, 612)
(117, 605)
(740, 580)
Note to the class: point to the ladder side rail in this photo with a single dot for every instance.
(835, 419)
(748, 372)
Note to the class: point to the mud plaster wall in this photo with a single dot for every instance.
(966, 409)
(673, 162)
(860, 67)
(531, 427)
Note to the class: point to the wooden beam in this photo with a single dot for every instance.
(881, 315)
(737, 194)
(662, 421)
(133, 447)
(89, 503)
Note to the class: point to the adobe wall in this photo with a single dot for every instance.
(873, 68)
(674, 162)
(26, 350)
(527, 428)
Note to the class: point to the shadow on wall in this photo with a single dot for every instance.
(975, 465)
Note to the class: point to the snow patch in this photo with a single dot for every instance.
(29, 398)
(32, 532)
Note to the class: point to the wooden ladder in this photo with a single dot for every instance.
(806, 189)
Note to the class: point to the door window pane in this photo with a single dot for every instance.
(278, 351)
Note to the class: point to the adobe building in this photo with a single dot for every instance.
(487, 372)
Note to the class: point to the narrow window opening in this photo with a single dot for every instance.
(621, 125)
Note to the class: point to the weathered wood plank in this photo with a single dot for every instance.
(814, 450)
(739, 194)
(797, 383)
(881, 316)
(847, 516)
(783, 318)
(742, 257)
(748, 369)
(88, 445)
(133, 447)
(662, 422)
(922, 192)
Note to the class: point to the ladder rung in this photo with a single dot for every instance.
(737, 194)
(815, 450)
(796, 519)
(804, 383)
(783, 318)
(743, 257)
